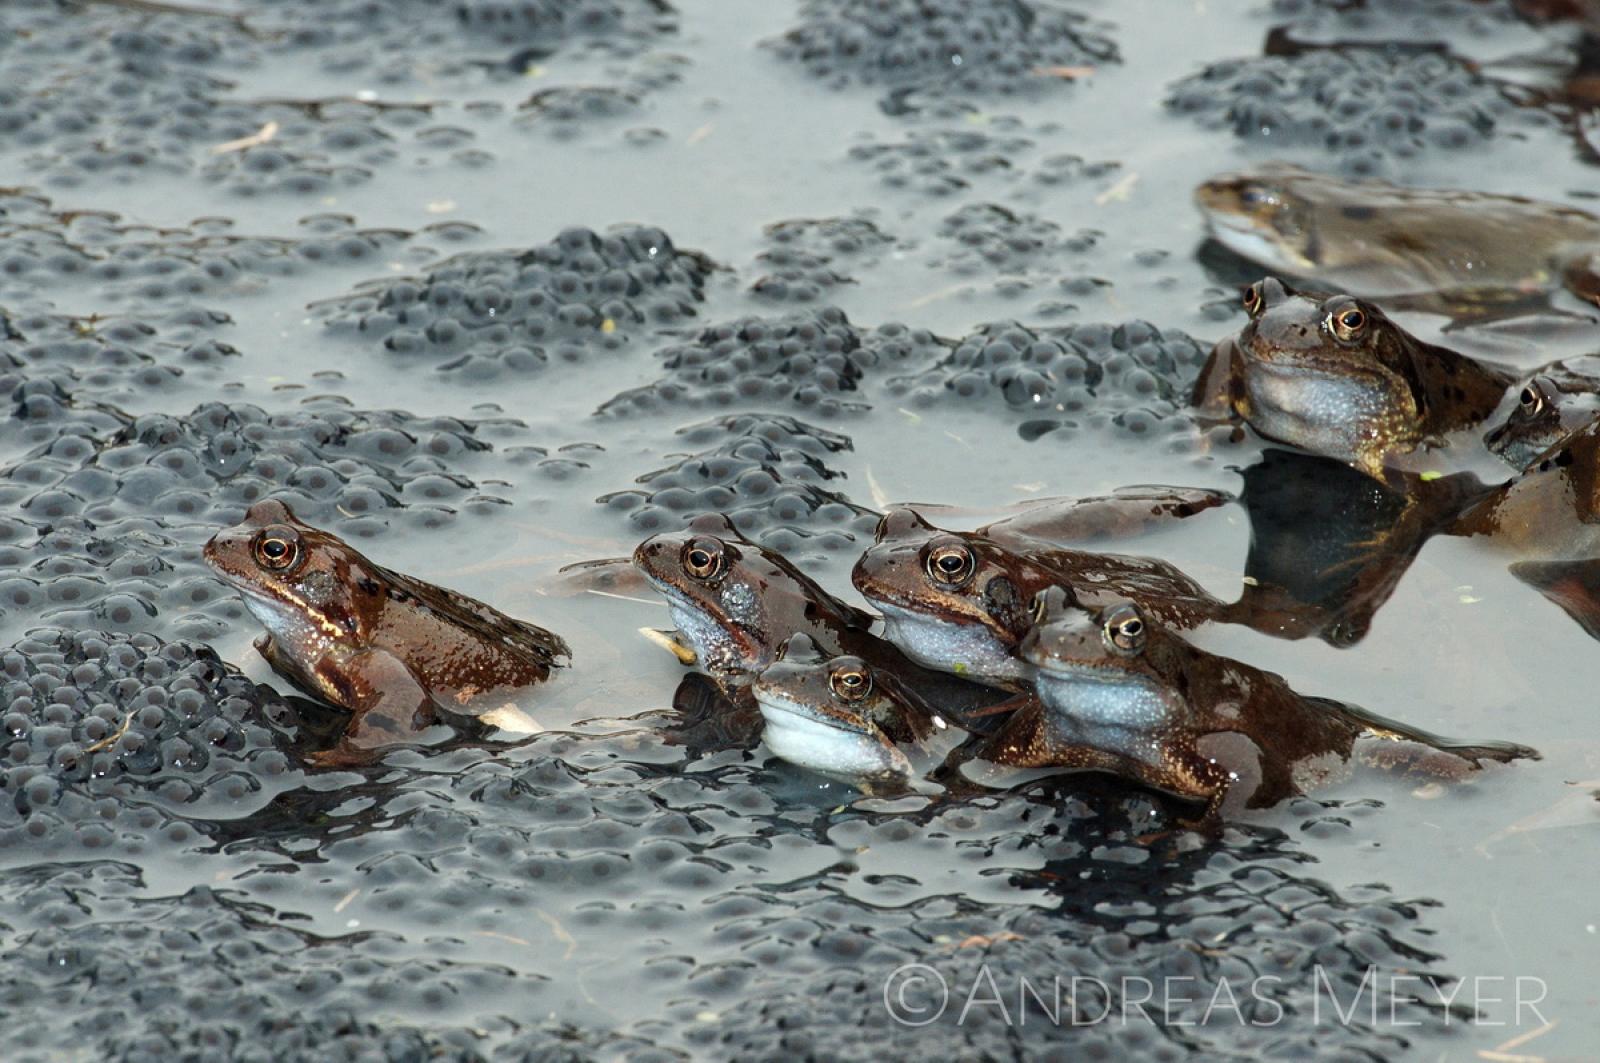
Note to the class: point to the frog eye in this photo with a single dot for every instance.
(1125, 629)
(277, 547)
(1530, 401)
(702, 558)
(1348, 323)
(850, 682)
(951, 564)
(1252, 300)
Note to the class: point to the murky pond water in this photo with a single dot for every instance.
(445, 275)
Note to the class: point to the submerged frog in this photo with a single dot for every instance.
(1554, 402)
(393, 650)
(1551, 510)
(1380, 239)
(959, 602)
(1334, 376)
(737, 604)
(1126, 512)
(841, 717)
(1118, 692)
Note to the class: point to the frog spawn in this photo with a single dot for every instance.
(94, 98)
(1133, 377)
(806, 256)
(116, 742)
(769, 474)
(109, 511)
(940, 52)
(813, 360)
(485, 313)
(1365, 108)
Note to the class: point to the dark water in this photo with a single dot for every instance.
(593, 891)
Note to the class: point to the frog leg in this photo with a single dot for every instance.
(1027, 741)
(1185, 772)
(389, 704)
(1582, 277)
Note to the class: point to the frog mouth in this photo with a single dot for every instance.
(1249, 239)
(826, 744)
(717, 647)
(782, 711)
(1310, 363)
(961, 647)
(1088, 673)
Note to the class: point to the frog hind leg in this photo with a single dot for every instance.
(1027, 741)
(1582, 277)
(1183, 771)
(389, 706)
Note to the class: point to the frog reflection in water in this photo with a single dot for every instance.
(737, 605)
(1465, 252)
(1120, 693)
(393, 650)
(959, 602)
(1334, 376)
(841, 717)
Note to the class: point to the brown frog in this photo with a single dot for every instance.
(391, 649)
(1553, 402)
(1129, 511)
(1118, 692)
(1334, 376)
(1438, 247)
(842, 718)
(1551, 510)
(959, 601)
(737, 604)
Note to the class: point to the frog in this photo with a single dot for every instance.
(1125, 513)
(736, 604)
(1334, 375)
(396, 652)
(1118, 691)
(1551, 403)
(1550, 511)
(1469, 253)
(840, 717)
(958, 601)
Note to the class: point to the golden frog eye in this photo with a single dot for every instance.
(702, 558)
(1348, 323)
(277, 548)
(1530, 400)
(951, 564)
(1252, 299)
(1125, 629)
(850, 682)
